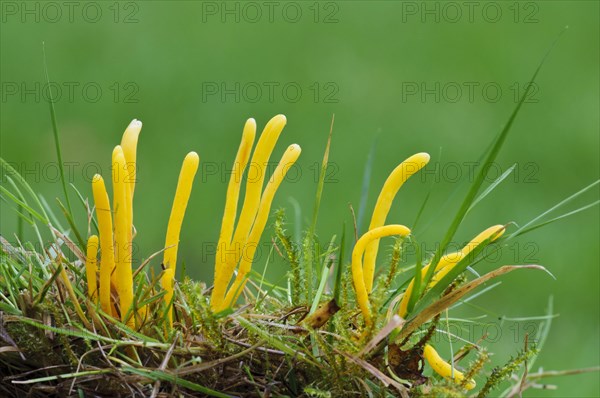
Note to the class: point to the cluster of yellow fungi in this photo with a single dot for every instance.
(111, 284)
(364, 257)
(238, 243)
(114, 287)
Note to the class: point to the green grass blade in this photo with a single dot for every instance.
(366, 183)
(338, 269)
(309, 240)
(478, 181)
(492, 186)
(323, 281)
(543, 224)
(563, 202)
(56, 135)
(164, 376)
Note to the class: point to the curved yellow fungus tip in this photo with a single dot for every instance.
(167, 281)
(492, 233)
(107, 256)
(448, 261)
(384, 202)
(444, 369)
(182, 196)
(124, 275)
(287, 161)
(91, 267)
(129, 145)
(362, 295)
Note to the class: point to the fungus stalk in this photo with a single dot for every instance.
(445, 369)
(182, 196)
(447, 263)
(287, 161)
(384, 202)
(229, 214)
(362, 294)
(224, 267)
(167, 283)
(123, 274)
(107, 256)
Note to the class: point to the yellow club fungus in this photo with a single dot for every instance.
(107, 256)
(116, 230)
(362, 295)
(287, 161)
(91, 267)
(123, 274)
(129, 144)
(182, 196)
(444, 369)
(448, 261)
(384, 202)
(226, 264)
(231, 204)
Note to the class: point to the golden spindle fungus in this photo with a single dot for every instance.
(129, 143)
(254, 182)
(287, 161)
(492, 233)
(231, 203)
(447, 263)
(451, 258)
(384, 202)
(182, 196)
(91, 267)
(124, 275)
(362, 295)
(107, 256)
(444, 369)
(167, 280)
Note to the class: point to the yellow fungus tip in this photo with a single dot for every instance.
(192, 157)
(295, 147)
(425, 156)
(135, 124)
(444, 369)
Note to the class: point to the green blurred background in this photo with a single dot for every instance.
(395, 73)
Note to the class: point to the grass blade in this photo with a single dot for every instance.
(478, 181)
